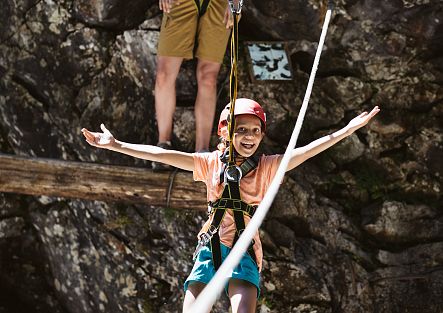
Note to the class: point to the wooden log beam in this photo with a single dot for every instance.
(82, 180)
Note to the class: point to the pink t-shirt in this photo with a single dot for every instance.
(253, 187)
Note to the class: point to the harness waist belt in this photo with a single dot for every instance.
(233, 204)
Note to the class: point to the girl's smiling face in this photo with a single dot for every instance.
(248, 134)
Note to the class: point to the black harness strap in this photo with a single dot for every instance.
(202, 6)
(215, 240)
(248, 165)
(216, 221)
(231, 199)
(239, 219)
(240, 225)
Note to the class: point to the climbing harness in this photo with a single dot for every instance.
(230, 199)
(208, 296)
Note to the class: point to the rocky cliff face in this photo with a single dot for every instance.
(356, 229)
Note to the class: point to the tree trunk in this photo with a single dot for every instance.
(55, 178)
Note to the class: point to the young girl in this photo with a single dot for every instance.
(250, 125)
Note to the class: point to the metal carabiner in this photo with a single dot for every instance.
(204, 239)
(236, 9)
(233, 173)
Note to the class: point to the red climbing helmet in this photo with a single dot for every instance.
(242, 106)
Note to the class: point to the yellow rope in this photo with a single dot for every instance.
(233, 85)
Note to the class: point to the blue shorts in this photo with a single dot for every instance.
(203, 269)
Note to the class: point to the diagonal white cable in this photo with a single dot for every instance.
(208, 296)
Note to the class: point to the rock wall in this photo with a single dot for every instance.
(355, 229)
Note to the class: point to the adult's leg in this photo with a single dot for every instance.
(207, 72)
(243, 296)
(167, 71)
(191, 294)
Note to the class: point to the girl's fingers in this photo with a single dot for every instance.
(374, 111)
(105, 130)
(91, 142)
(89, 135)
(91, 138)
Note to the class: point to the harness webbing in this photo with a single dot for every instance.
(230, 199)
(215, 240)
(202, 6)
(248, 165)
(249, 209)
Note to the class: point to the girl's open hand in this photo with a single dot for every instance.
(362, 119)
(99, 140)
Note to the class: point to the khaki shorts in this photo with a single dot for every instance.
(181, 27)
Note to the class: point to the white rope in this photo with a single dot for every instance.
(208, 296)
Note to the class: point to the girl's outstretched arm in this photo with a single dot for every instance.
(299, 155)
(106, 140)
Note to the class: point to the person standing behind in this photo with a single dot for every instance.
(190, 28)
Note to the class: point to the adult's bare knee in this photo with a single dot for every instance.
(164, 79)
(208, 81)
(167, 71)
(207, 75)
